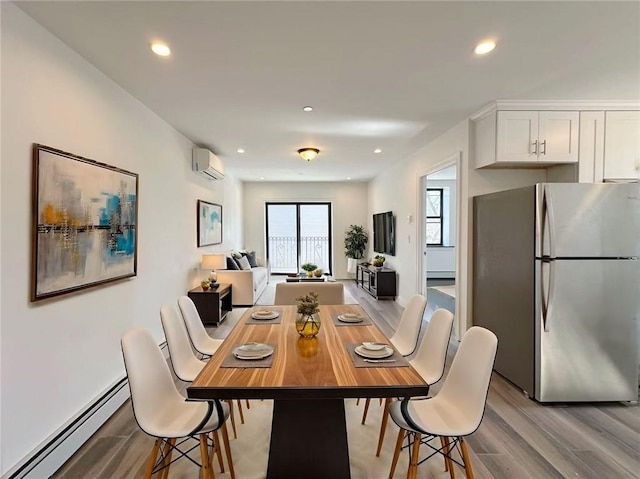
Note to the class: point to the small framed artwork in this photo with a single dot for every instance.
(209, 223)
(84, 223)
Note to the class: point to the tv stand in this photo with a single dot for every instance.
(378, 282)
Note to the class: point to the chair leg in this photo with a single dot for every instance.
(446, 464)
(233, 419)
(168, 451)
(248, 404)
(207, 472)
(413, 464)
(452, 472)
(383, 425)
(152, 459)
(358, 402)
(227, 447)
(466, 459)
(240, 411)
(366, 408)
(379, 401)
(218, 446)
(396, 452)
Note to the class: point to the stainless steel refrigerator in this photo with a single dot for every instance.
(557, 278)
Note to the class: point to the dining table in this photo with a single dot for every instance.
(308, 380)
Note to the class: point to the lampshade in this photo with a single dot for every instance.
(308, 153)
(214, 261)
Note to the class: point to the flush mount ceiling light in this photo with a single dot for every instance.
(160, 49)
(308, 153)
(307, 108)
(240, 150)
(377, 150)
(485, 47)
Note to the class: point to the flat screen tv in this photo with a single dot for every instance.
(384, 233)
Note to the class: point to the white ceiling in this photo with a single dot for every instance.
(392, 75)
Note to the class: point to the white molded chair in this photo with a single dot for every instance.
(430, 359)
(455, 412)
(405, 337)
(200, 339)
(183, 360)
(328, 293)
(162, 412)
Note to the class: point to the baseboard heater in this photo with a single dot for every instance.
(46, 459)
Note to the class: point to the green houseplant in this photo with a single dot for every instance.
(355, 243)
(309, 268)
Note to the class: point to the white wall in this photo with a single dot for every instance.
(398, 189)
(349, 206)
(58, 355)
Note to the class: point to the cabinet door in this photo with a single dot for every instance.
(517, 136)
(558, 136)
(622, 145)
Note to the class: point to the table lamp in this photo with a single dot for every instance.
(214, 262)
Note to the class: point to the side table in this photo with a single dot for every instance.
(212, 305)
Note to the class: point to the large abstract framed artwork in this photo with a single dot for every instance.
(84, 223)
(209, 223)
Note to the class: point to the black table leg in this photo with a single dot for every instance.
(308, 439)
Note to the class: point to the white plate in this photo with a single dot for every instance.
(349, 319)
(374, 346)
(365, 353)
(273, 315)
(253, 351)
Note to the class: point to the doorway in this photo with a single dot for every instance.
(298, 233)
(439, 224)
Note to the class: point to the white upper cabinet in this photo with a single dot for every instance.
(622, 145)
(526, 138)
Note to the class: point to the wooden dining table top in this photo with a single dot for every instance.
(302, 368)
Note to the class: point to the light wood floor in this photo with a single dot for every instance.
(518, 438)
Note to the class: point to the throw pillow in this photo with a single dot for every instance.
(236, 255)
(251, 256)
(244, 263)
(231, 264)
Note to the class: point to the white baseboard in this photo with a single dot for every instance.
(55, 450)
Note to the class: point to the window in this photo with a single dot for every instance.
(434, 216)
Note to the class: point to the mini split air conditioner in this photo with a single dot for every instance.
(207, 164)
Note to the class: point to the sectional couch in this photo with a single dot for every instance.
(248, 284)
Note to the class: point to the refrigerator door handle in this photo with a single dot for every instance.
(550, 224)
(547, 292)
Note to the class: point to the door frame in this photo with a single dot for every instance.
(421, 186)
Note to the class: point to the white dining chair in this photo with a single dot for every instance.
(186, 365)
(328, 293)
(455, 412)
(406, 335)
(429, 360)
(200, 339)
(162, 412)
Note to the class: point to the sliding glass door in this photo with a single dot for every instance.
(298, 233)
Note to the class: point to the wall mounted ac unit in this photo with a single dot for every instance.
(207, 164)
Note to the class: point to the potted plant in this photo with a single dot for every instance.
(355, 243)
(308, 321)
(378, 261)
(309, 268)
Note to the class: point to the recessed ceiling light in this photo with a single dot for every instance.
(485, 47)
(348, 177)
(240, 150)
(307, 108)
(377, 150)
(262, 177)
(161, 49)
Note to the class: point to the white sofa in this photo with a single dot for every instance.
(248, 284)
